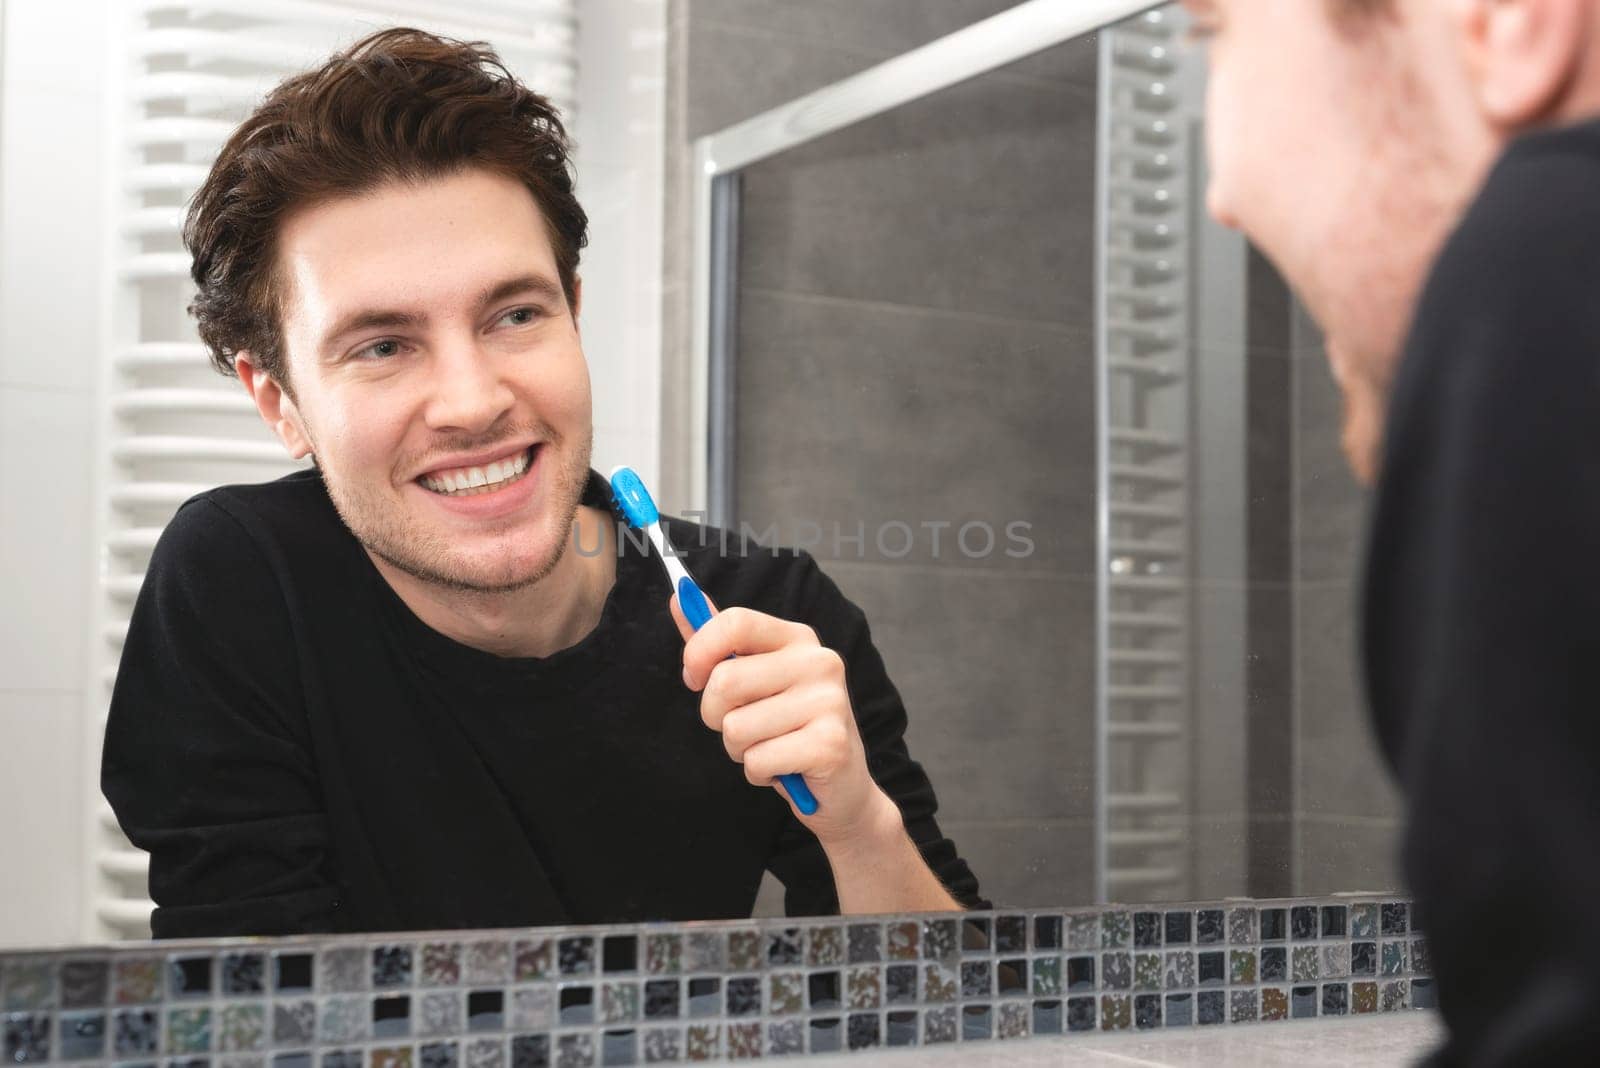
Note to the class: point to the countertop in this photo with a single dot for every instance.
(1381, 1040)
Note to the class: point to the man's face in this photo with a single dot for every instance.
(395, 411)
(1326, 150)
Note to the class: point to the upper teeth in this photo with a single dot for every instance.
(465, 478)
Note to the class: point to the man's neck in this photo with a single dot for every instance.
(554, 613)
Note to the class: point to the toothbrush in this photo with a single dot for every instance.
(640, 511)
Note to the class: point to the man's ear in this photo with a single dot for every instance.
(577, 302)
(1523, 55)
(277, 407)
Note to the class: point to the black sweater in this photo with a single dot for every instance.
(299, 752)
(1482, 609)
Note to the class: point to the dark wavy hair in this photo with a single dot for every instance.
(400, 104)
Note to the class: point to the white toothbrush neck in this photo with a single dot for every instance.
(675, 571)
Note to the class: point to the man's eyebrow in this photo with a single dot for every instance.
(369, 318)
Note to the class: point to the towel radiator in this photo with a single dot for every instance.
(1142, 340)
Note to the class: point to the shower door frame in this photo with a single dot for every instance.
(718, 160)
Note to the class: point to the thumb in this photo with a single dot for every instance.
(685, 631)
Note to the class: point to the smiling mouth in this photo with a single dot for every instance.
(471, 481)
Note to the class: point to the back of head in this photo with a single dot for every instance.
(400, 105)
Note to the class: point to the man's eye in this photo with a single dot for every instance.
(374, 347)
(531, 313)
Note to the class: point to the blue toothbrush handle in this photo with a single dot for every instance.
(698, 613)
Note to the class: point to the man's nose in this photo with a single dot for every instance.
(468, 391)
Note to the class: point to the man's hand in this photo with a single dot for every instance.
(782, 707)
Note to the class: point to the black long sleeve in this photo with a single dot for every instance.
(1482, 610)
(299, 752)
(207, 754)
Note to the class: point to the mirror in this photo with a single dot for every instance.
(1071, 447)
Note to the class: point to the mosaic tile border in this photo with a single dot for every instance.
(665, 993)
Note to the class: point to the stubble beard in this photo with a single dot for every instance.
(1409, 209)
(381, 524)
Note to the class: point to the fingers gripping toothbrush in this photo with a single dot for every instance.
(640, 511)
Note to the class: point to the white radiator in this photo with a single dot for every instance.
(180, 75)
(1144, 736)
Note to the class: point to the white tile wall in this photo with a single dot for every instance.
(51, 170)
(41, 798)
(46, 446)
(50, 219)
(619, 132)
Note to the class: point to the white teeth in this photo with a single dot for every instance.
(469, 481)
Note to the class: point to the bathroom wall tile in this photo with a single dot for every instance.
(84, 984)
(784, 986)
(1269, 469)
(82, 1036)
(1340, 771)
(488, 961)
(1394, 996)
(1180, 970)
(27, 1038)
(242, 974)
(53, 219)
(841, 215)
(939, 1025)
(294, 1023)
(1054, 852)
(1330, 506)
(1038, 788)
(825, 945)
(866, 942)
(342, 969)
(441, 964)
(663, 954)
(751, 71)
(1349, 854)
(42, 793)
(864, 985)
(939, 983)
(918, 616)
(242, 1028)
(137, 979)
(28, 984)
(881, 29)
(533, 958)
(45, 514)
(575, 956)
(949, 415)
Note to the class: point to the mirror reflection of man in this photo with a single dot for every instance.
(1427, 175)
(426, 684)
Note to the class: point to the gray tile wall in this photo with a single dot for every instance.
(1269, 412)
(915, 336)
(730, 59)
(1347, 810)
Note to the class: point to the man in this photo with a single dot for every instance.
(427, 685)
(1427, 174)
